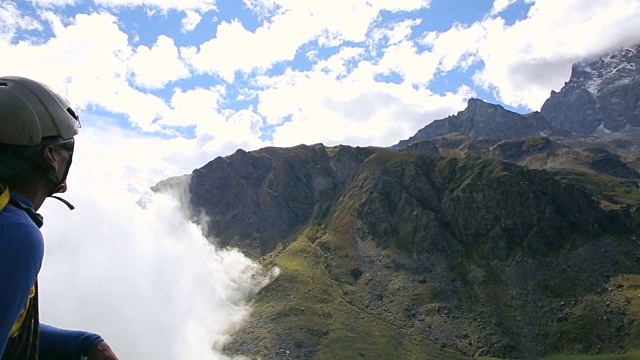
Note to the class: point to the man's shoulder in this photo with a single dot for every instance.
(13, 215)
(16, 223)
(21, 245)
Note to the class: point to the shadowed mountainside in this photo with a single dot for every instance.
(602, 96)
(256, 200)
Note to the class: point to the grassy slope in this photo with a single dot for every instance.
(613, 191)
(318, 314)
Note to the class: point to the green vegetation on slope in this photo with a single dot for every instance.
(611, 191)
(303, 313)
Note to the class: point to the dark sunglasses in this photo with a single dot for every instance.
(68, 145)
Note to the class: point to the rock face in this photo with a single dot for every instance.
(484, 120)
(601, 96)
(257, 200)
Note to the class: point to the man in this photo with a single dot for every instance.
(37, 127)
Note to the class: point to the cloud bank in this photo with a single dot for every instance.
(127, 265)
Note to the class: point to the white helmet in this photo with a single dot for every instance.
(30, 111)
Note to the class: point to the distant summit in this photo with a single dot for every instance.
(602, 96)
(484, 120)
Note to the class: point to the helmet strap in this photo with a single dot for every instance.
(69, 205)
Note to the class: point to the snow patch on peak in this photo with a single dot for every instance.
(614, 69)
(592, 85)
(601, 130)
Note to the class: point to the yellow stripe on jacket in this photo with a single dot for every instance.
(18, 324)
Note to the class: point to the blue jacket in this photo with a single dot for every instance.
(21, 252)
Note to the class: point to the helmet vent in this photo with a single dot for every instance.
(72, 113)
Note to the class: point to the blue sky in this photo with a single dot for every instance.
(206, 77)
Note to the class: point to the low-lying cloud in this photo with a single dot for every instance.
(127, 265)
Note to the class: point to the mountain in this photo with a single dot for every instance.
(613, 155)
(258, 200)
(483, 120)
(601, 96)
(402, 254)
(487, 234)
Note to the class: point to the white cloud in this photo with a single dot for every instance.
(142, 109)
(453, 45)
(326, 107)
(354, 121)
(12, 21)
(521, 69)
(190, 21)
(183, 5)
(337, 65)
(402, 31)
(524, 61)
(94, 70)
(53, 3)
(236, 130)
(217, 130)
(155, 67)
(330, 22)
(195, 107)
(501, 5)
(87, 69)
(243, 125)
(448, 50)
(262, 8)
(235, 48)
(142, 277)
(404, 58)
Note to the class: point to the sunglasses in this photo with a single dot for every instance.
(68, 145)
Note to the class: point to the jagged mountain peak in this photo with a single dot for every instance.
(481, 119)
(602, 96)
(472, 102)
(475, 104)
(619, 67)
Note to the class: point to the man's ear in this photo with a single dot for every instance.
(49, 157)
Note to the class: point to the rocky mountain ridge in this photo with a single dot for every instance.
(484, 120)
(601, 97)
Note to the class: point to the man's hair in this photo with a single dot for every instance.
(19, 163)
